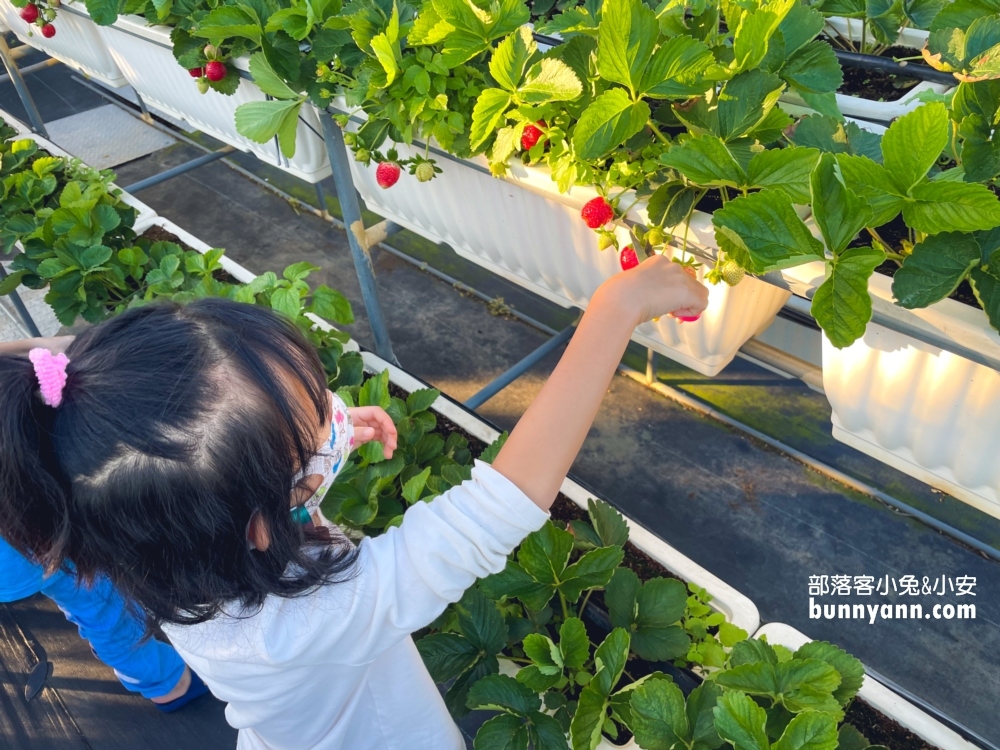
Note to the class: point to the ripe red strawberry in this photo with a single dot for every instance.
(597, 212)
(628, 258)
(196, 72)
(215, 70)
(29, 13)
(387, 174)
(531, 135)
(48, 31)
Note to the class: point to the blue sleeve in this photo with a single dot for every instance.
(19, 578)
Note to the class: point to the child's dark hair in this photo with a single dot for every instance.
(178, 424)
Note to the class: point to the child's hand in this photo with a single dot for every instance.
(372, 423)
(656, 287)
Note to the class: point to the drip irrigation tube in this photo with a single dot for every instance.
(887, 65)
(665, 390)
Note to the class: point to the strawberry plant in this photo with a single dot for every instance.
(949, 221)
(766, 697)
(569, 678)
(965, 40)
(372, 493)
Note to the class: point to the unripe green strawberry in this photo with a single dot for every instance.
(655, 237)
(203, 85)
(362, 155)
(732, 272)
(605, 240)
(424, 171)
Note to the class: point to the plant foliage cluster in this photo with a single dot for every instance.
(671, 104)
(525, 642)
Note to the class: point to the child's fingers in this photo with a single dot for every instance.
(364, 434)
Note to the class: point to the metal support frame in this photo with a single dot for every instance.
(47, 63)
(493, 388)
(22, 310)
(180, 169)
(358, 237)
(37, 123)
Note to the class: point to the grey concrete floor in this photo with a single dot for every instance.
(758, 519)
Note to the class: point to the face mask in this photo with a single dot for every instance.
(329, 459)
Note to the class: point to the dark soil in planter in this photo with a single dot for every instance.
(158, 234)
(881, 730)
(877, 85)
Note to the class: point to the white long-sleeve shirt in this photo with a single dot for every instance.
(337, 669)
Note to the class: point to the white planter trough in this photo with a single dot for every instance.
(867, 109)
(230, 266)
(737, 608)
(144, 213)
(929, 413)
(879, 697)
(77, 42)
(524, 229)
(144, 55)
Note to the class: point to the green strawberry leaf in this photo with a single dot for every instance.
(872, 183)
(809, 731)
(705, 161)
(762, 232)
(498, 692)
(610, 120)
(741, 721)
(447, 655)
(913, 143)
(511, 57)
(839, 213)
(814, 69)
(935, 268)
(786, 169)
(627, 35)
(659, 719)
(945, 206)
(841, 304)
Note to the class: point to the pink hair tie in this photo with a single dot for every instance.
(50, 369)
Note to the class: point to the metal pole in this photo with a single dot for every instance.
(22, 311)
(180, 169)
(32, 68)
(37, 123)
(351, 211)
(650, 367)
(520, 368)
(321, 199)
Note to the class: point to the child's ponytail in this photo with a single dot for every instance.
(34, 510)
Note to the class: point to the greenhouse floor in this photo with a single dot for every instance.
(758, 519)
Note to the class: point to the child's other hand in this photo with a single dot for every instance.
(372, 423)
(656, 287)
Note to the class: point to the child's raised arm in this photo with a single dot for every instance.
(543, 445)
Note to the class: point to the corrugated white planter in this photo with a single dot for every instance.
(927, 412)
(77, 42)
(879, 697)
(867, 109)
(525, 230)
(144, 213)
(144, 55)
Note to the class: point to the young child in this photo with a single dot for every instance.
(168, 453)
(145, 666)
